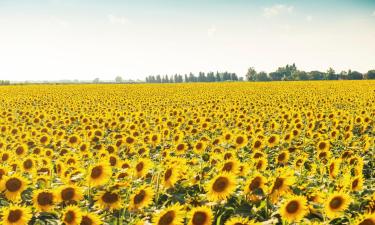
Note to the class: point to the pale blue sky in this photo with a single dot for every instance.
(82, 39)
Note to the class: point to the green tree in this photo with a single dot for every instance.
(370, 74)
(251, 74)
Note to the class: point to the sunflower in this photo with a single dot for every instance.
(69, 193)
(90, 219)
(365, 219)
(170, 176)
(221, 187)
(261, 164)
(273, 140)
(334, 168)
(99, 174)
(199, 147)
(13, 186)
(294, 209)
(72, 215)
(142, 167)
(201, 216)
(172, 215)
(16, 215)
(255, 185)
(281, 183)
(336, 203)
(141, 198)
(240, 141)
(230, 166)
(44, 200)
(356, 184)
(181, 148)
(237, 220)
(323, 146)
(283, 157)
(257, 144)
(108, 200)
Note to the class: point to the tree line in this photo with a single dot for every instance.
(200, 77)
(290, 72)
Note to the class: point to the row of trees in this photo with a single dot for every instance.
(201, 77)
(290, 72)
(4, 82)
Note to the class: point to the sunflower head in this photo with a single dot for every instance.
(221, 186)
(336, 203)
(200, 216)
(16, 215)
(294, 209)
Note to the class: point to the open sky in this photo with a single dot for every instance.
(85, 39)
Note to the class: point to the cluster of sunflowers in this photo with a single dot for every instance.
(196, 154)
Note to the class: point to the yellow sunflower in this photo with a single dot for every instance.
(221, 187)
(16, 215)
(336, 203)
(200, 216)
(141, 198)
(365, 219)
(99, 174)
(109, 200)
(44, 200)
(294, 209)
(69, 194)
(172, 215)
(72, 215)
(90, 219)
(237, 220)
(13, 186)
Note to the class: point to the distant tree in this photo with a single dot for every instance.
(158, 79)
(96, 80)
(262, 76)
(299, 75)
(276, 75)
(251, 74)
(316, 75)
(343, 75)
(355, 75)
(370, 74)
(118, 79)
(331, 74)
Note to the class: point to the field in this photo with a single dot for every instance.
(198, 154)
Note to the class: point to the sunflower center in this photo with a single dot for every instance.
(180, 147)
(322, 145)
(367, 222)
(45, 198)
(257, 144)
(138, 198)
(228, 166)
(167, 218)
(14, 215)
(355, 183)
(96, 172)
(281, 157)
(67, 194)
(69, 216)
(255, 183)
(278, 183)
(336, 202)
(28, 164)
(139, 166)
(109, 197)
(199, 218)
(220, 184)
(271, 140)
(112, 161)
(86, 221)
(13, 184)
(292, 207)
(240, 140)
(167, 174)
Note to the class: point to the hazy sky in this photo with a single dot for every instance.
(85, 39)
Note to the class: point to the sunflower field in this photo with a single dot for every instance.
(188, 154)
